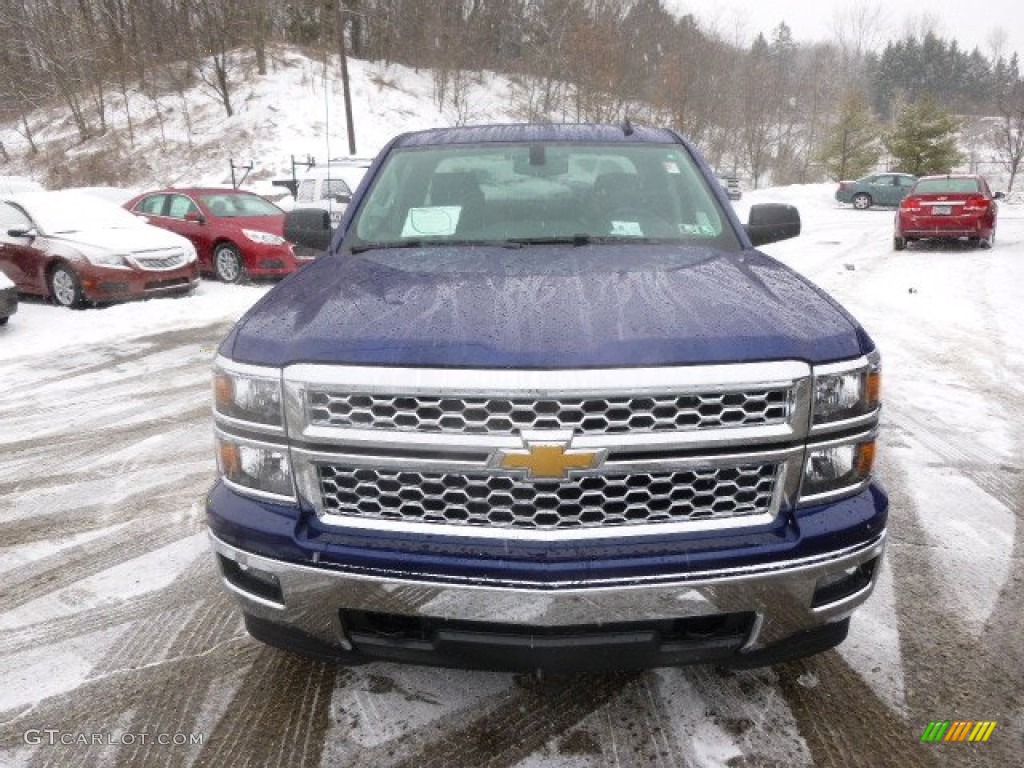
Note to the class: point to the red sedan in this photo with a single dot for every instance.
(948, 208)
(237, 234)
(76, 249)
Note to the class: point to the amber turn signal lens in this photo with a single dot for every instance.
(865, 458)
(230, 459)
(223, 391)
(874, 388)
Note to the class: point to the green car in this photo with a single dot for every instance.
(880, 189)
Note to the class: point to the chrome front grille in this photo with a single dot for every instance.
(582, 415)
(159, 259)
(587, 501)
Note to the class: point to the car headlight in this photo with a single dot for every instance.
(263, 237)
(247, 393)
(255, 466)
(190, 253)
(842, 391)
(102, 257)
(836, 468)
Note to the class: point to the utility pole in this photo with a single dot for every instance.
(344, 79)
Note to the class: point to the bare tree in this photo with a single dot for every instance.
(1009, 134)
(217, 23)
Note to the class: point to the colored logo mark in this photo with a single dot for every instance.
(958, 730)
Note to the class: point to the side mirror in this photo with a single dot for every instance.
(998, 196)
(20, 232)
(195, 216)
(309, 228)
(771, 222)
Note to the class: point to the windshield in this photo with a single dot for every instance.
(540, 192)
(946, 186)
(239, 204)
(63, 212)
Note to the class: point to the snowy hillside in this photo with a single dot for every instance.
(292, 110)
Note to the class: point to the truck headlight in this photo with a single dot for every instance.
(247, 393)
(842, 392)
(255, 466)
(837, 467)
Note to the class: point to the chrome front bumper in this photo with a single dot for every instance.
(309, 600)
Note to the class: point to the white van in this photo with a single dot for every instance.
(330, 187)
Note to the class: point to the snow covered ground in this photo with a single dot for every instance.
(112, 619)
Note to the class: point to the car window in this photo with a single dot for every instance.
(491, 193)
(12, 217)
(334, 188)
(153, 205)
(945, 186)
(906, 181)
(180, 205)
(237, 204)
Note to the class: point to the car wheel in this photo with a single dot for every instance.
(65, 287)
(899, 243)
(3, 320)
(988, 242)
(227, 263)
(862, 201)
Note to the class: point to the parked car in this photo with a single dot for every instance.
(731, 185)
(948, 208)
(525, 415)
(881, 189)
(8, 298)
(75, 248)
(16, 185)
(237, 234)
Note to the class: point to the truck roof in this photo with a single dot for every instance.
(520, 132)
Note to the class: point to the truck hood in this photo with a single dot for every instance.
(544, 307)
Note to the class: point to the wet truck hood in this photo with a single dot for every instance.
(544, 307)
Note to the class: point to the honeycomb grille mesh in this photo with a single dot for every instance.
(584, 416)
(167, 261)
(588, 501)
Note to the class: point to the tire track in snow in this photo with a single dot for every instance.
(105, 703)
(278, 716)
(506, 729)
(199, 583)
(89, 559)
(844, 723)
(958, 675)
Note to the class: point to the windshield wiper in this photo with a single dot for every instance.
(589, 240)
(363, 247)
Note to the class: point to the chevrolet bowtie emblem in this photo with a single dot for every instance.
(548, 459)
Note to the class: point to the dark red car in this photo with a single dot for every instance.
(76, 249)
(948, 208)
(237, 234)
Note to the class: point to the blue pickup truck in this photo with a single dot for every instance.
(542, 404)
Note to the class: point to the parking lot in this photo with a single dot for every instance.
(122, 648)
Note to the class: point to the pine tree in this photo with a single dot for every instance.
(851, 148)
(924, 139)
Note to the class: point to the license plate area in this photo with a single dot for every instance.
(941, 210)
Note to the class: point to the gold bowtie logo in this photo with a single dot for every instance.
(548, 460)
